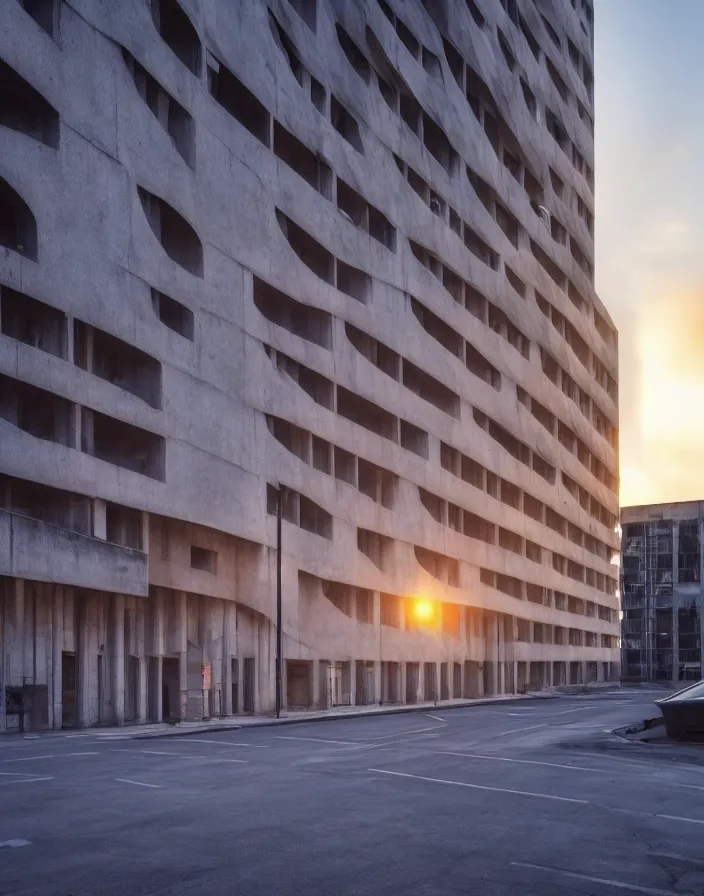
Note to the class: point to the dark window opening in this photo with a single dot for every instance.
(414, 439)
(475, 302)
(302, 320)
(18, 226)
(318, 95)
(477, 527)
(508, 224)
(288, 48)
(238, 100)
(506, 49)
(345, 124)
(314, 519)
(455, 62)
(345, 466)
(33, 322)
(530, 37)
(293, 438)
(480, 249)
(475, 13)
(376, 483)
(178, 239)
(477, 364)
(513, 165)
(438, 329)
(376, 352)
(411, 112)
(49, 505)
(551, 32)
(430, 389)
(509, 585)
(122, 444)
(516, 282)
(311, 253)
(408, 39)
(118, 362)
(366, 414)
(557, 130)
(389, 94)
(472, 472)
(439, 146)
(177, 32)
(445, 569)
(355, 56)
(170, 114)
(173, 314)
(306, 9)
(530, 100)
(203, 559)
(534, 552)
(24, 109)
(557, 80)
(543, 468)
(549, 266)
(42, 11)
(510, 494)
(510, 541)
(433, 504)
(124, 526)
(318, 387)
(353, 282)
(302, 160)
(37, 412)
(375, 546)
(533, 508)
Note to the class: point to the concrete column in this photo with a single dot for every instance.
(100, 528)
(118, 658)
(3, 722)
(314, 684)
(240, 683)
(82, 623)
(14, 632)
(141, 708)
(57, 643)
(182, 624)
(402, 682)
(353, 683)
(228, 650)
(378, 629)
(501, 658)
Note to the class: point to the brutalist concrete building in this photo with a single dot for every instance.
(663, 597)
(340, 248)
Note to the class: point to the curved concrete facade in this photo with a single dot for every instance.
(341, 248)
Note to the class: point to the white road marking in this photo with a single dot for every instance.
(138, 783)
(319, 740)
(49, 756)
(518, 730)
(579, 768)
(222, 743)
(27, 780)
(412, 731)
(430, 716)
(690, 786)
(156, 753)
(544, 796)
(19, 775)
(13, 844)
(27, 737)
(680, 818)
(596, 880)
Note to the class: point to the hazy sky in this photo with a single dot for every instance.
(649, 82)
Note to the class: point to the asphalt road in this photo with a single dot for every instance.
(515, 798)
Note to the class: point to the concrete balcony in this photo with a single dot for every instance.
(31, 549)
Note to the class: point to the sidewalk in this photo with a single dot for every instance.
(232, 723)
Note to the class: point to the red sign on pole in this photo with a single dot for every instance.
(206, 676)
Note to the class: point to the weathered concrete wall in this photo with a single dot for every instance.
(428, 159)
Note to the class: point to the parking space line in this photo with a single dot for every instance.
(138, 783)
(320, 740)
(411, 731)
(430, 716)
(545, 796)
(221, 743)
(49, 756)
(578, 768)
(25, 780)
(597, 880)
(519, 730)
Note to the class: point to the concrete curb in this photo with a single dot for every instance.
(337, 717)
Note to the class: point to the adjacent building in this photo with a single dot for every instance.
(662, 592)
(334, 252)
